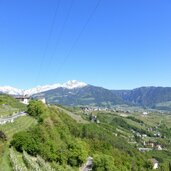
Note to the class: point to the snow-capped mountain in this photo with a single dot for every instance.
(68, 85)
(11, 90)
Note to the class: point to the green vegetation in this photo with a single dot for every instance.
(63, 142)
(148, 97)
(10, 101)
(153, 97)
(135, 119)
(76, 117)
(19, 124)
(9, 105)
(88, 95)
(2, 136)
(53, 138)
(36, 108)
(9, 130)
(136, 129)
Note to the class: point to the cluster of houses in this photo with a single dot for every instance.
(153, 161)
(94, 109)
(146, 146)
(151, 146)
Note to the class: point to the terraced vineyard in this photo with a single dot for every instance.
(19, 124)
(22, 123)
(24, 162)
(9, 105)
(7, 110)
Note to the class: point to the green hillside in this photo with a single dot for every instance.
(8, 105)
(10, 129)
(88, 95)
(62, 139)
(148, 97)
(65, 143)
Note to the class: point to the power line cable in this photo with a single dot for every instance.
(60, 34)
(48, 40)
(79, 35)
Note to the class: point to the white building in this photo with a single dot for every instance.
(145, 113)
(155, 163)
(159, 147)
(42, 99)
(23, 99)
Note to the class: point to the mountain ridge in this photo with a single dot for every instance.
(87, 95)
(14, 91)
(76, 93)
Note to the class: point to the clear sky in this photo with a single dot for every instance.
(117, 44)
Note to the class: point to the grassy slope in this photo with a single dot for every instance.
(77, 118)
(10, 129)
(25, 122)
(95, 136)
(9, 105)
(19, 124)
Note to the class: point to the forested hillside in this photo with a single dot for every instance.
(88, 95)
(153, 97)
(66, 144)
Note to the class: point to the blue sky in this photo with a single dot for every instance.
(117, 44)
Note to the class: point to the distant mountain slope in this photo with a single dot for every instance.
(75, 93)
(88, 95)
(68, 85)
(145, 96)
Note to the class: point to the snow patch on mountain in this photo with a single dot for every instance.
(74, 84)
(68, 85)
(10, 90)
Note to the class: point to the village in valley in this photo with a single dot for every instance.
(149, 132)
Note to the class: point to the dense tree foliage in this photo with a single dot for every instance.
(103, 163)
(146, 96)
(36, 108)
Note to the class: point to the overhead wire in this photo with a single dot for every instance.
(48, 41)
(60, 35)
(78, 36)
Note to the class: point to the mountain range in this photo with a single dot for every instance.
(68, 85)
(74, 93)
